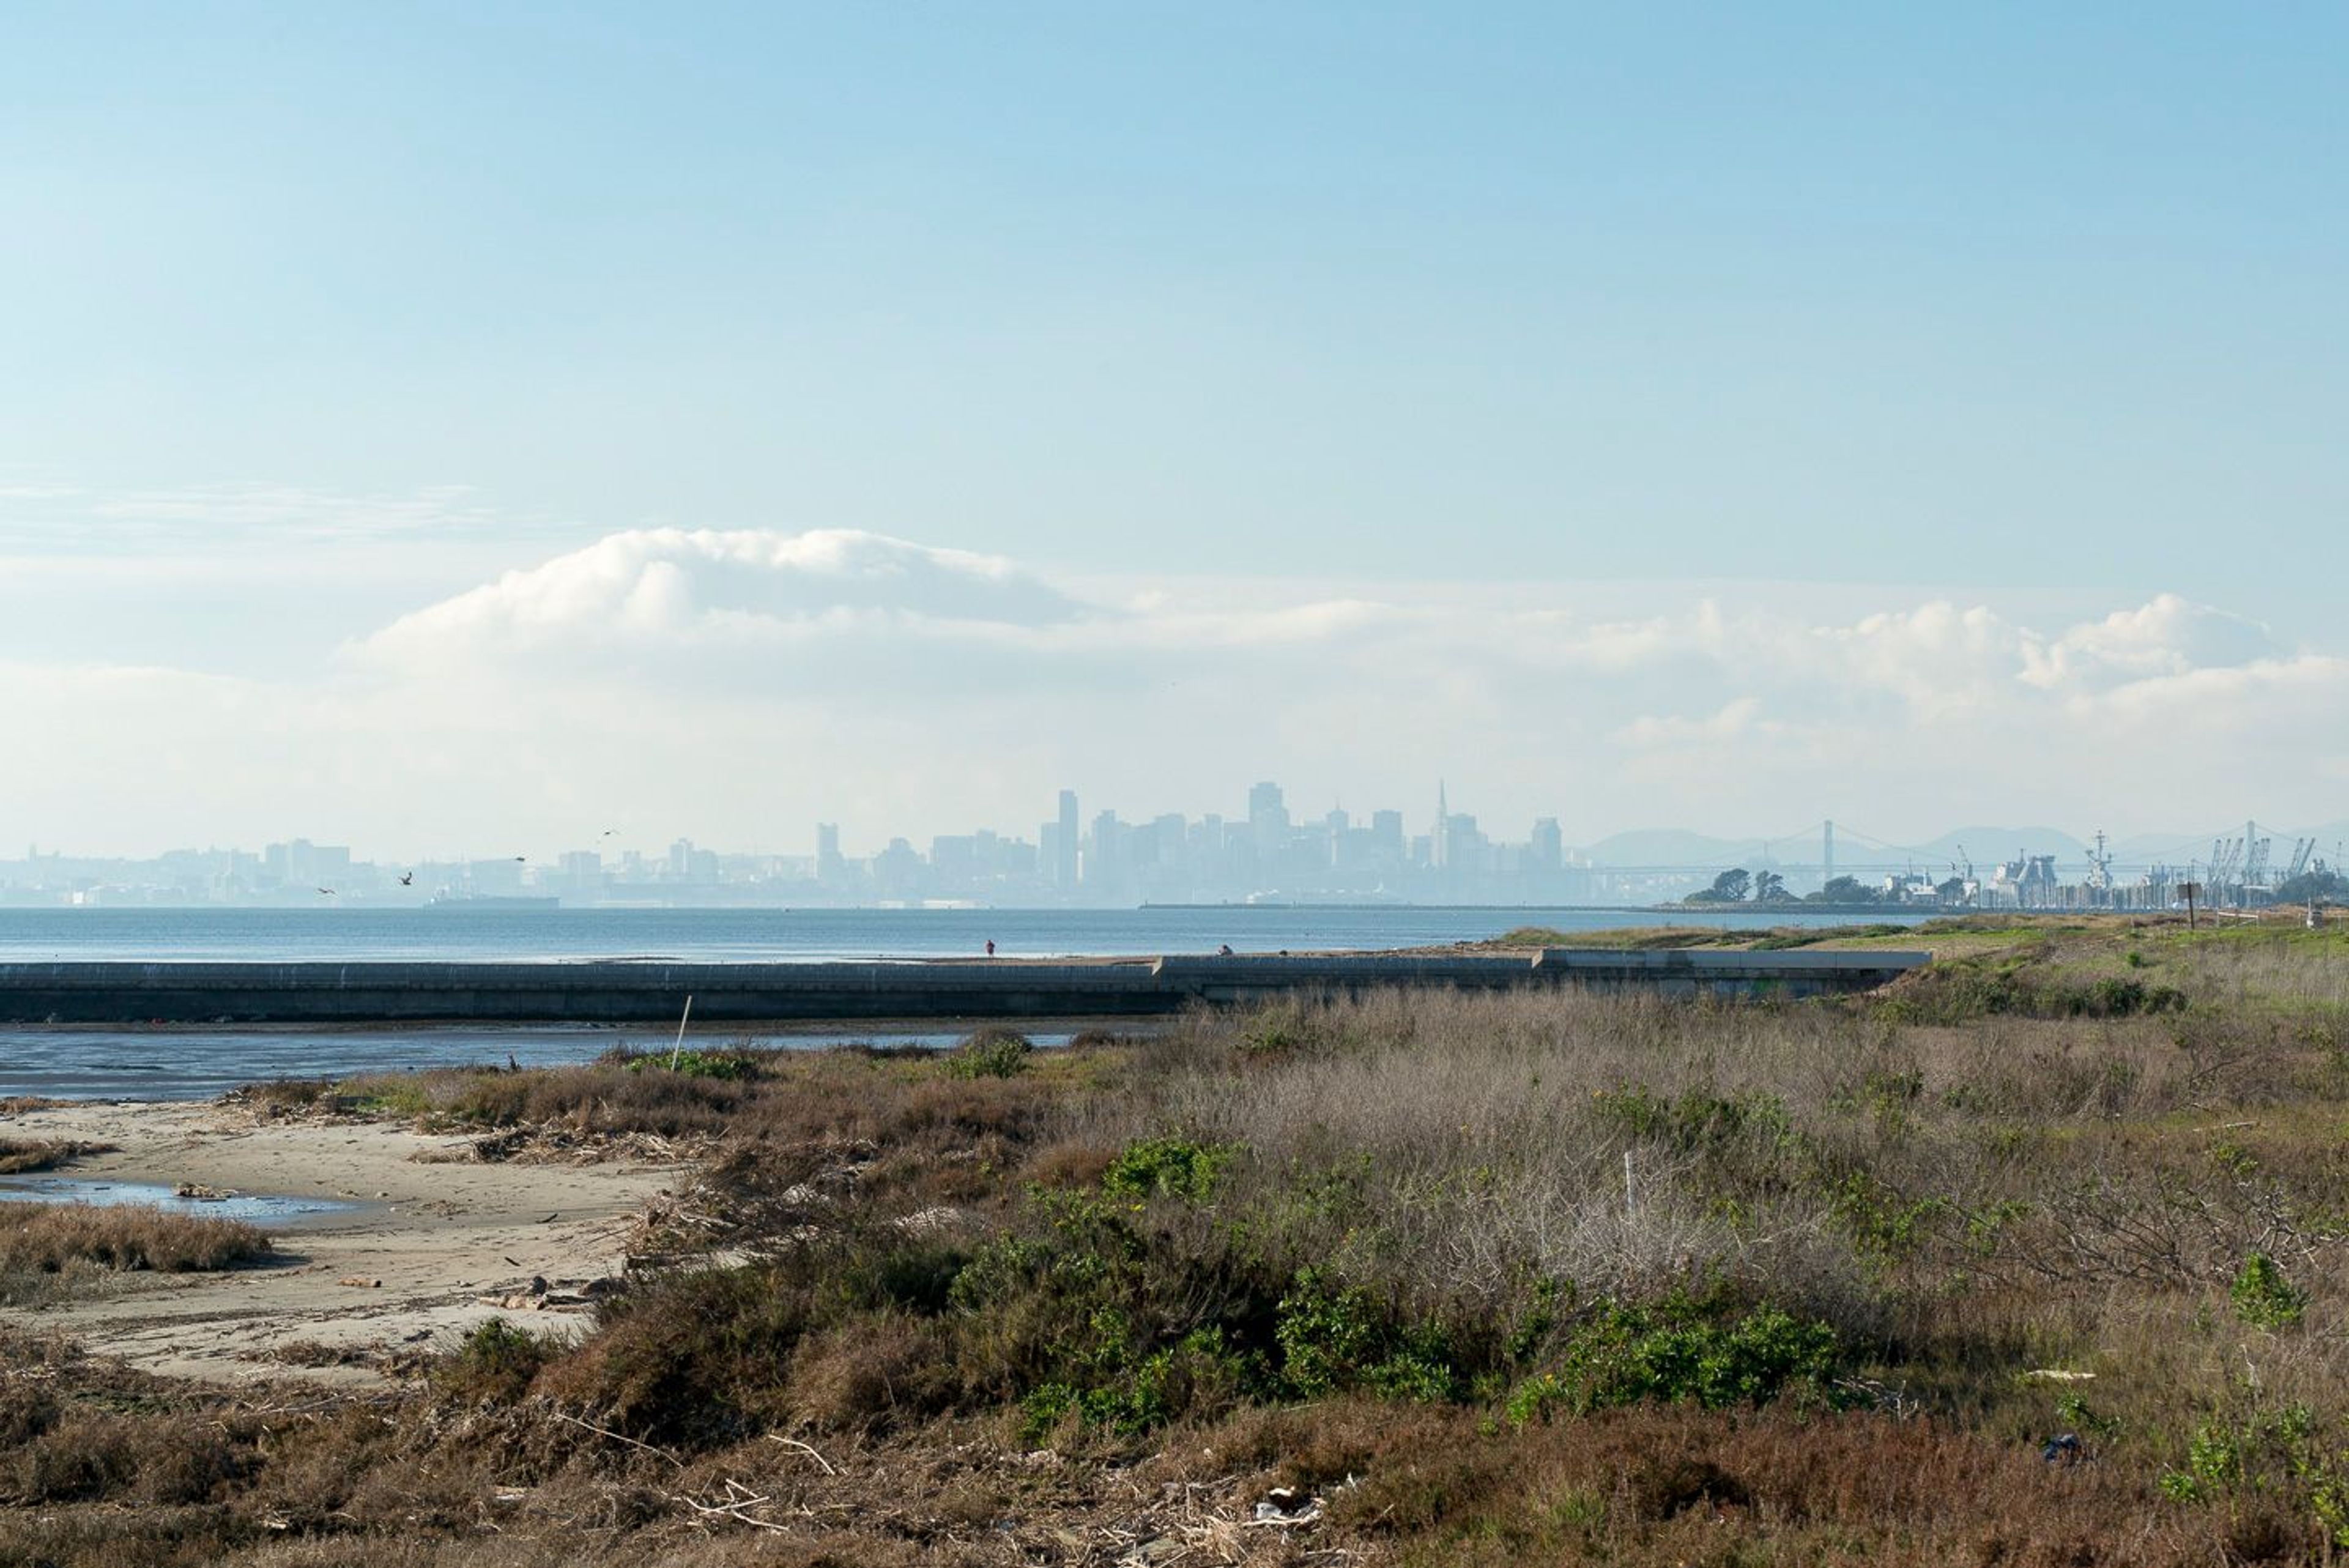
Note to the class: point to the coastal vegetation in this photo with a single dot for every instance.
(51, 1238)
(2042, 1255)
(20, 1156)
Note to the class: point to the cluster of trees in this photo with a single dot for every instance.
(2319, 885)
(1739, 886)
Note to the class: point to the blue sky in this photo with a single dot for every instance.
(1985, 303)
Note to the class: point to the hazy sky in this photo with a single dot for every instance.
(441, 426)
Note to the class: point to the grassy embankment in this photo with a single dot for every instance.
(1496, 1278)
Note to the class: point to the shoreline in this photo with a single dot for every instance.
(431, 1249)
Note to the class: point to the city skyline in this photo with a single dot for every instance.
(1266, 852)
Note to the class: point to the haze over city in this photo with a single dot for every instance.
(436, 427)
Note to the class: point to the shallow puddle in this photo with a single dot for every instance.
(256, 1207)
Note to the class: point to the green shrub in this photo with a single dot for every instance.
(725, 1067)
(1198, 1372)
(1101, 1319)
(494, 1365)
(1680, 1350)
(1167, 1167)
(696, 1358)
(1694, 1120)
(1884, 1228)
(1962, 990)
(989, 1054)
(2263, 1297)
(1334, 1337)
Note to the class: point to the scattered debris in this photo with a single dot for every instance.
(552, 1145)
(1288, 1505)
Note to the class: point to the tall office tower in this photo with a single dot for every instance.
(1267, 822)
(1386, 836)
(1548, 845)
(1441, 840)
(1173, 835)
(1107, 862)
(1064, 846)
(829, 867)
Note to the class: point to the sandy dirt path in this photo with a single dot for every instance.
(445, 1241)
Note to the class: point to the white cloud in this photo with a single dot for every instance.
(737, 686)
(664, 589)
(2166, 637)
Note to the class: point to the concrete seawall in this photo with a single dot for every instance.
(360, 994)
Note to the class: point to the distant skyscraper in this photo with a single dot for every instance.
(828, 866)
(1105, 865)
(1269, 824)
(1440, 841)
(1064, 843)
(1548, 848)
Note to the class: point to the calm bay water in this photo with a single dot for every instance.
(773, 936)
(178, 1064)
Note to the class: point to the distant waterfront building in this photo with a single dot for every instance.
(580, 874)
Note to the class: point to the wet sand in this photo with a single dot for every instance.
(451, 1244)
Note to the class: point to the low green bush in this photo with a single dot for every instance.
(1167, 1167)
(725, 1067)
(1334, 1337)
(494, 1365)
(991, 1053)
(1681, 1349)
(2263, 1297)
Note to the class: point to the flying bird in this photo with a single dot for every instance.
(329, 892)
(406, 877)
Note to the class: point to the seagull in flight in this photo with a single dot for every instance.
(407, 877)
(329, 892)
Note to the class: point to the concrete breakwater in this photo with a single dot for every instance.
(647, 993)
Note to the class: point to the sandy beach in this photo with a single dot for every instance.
(431, 1243)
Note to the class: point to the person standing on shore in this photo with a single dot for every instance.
(991, 947)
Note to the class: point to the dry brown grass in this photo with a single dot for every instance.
(2010, 1167)
(47, 1238)
(20, 1156)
